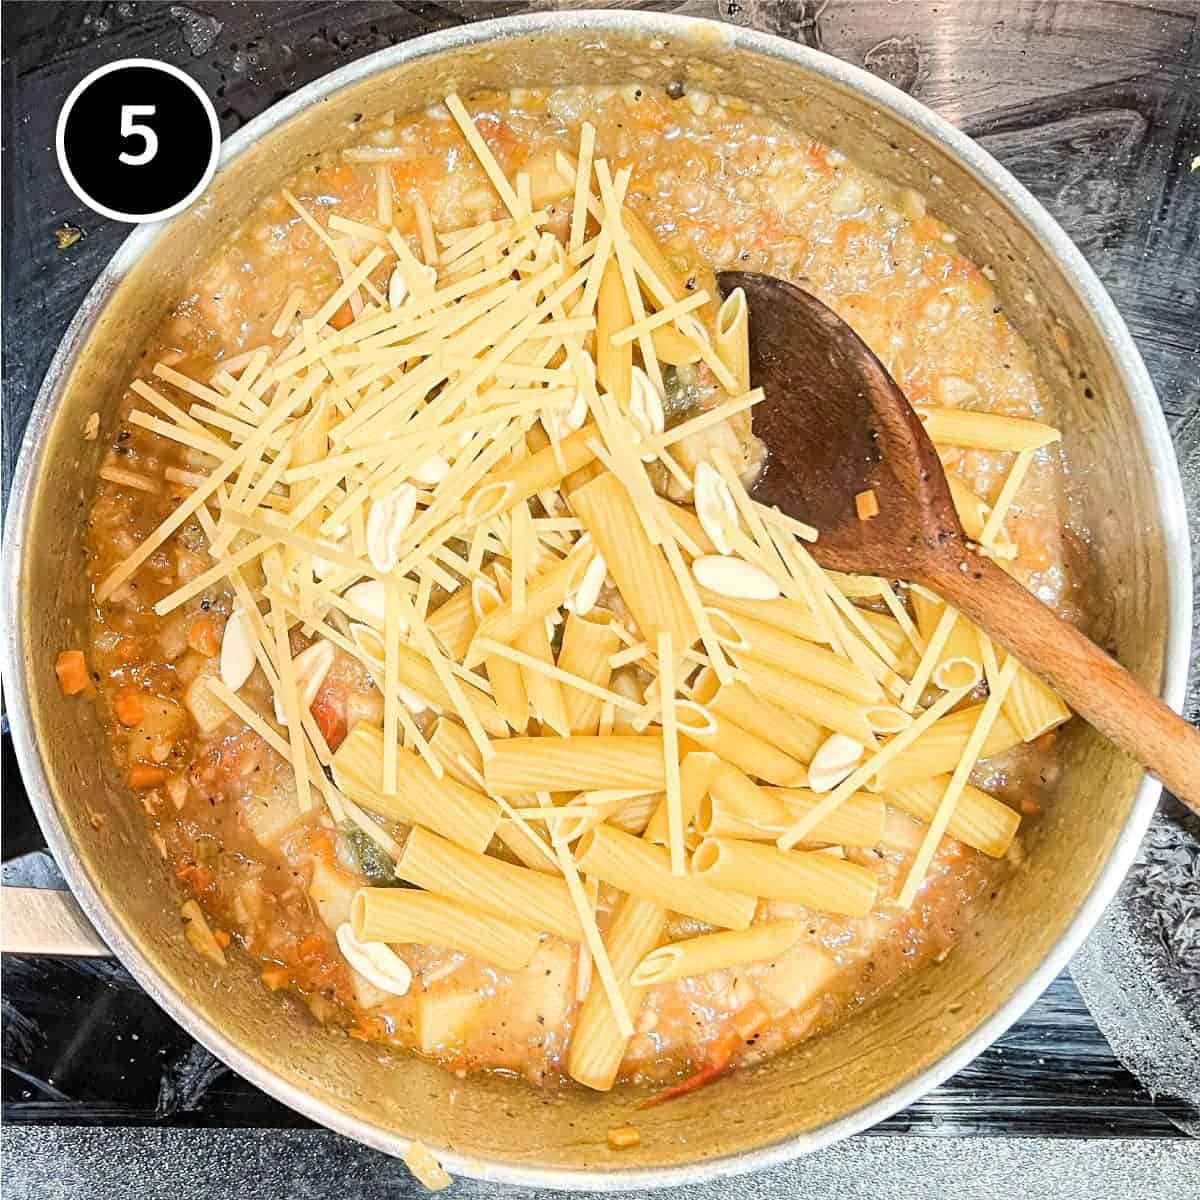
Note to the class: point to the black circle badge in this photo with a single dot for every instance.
(138, 140)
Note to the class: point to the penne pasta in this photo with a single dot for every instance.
(505, 489)
(597, 1046)
(818, 704)
(732, 339)
(544, 693)
(892, 634)
(763, 643)
(523, 765)
(588, 643)
(973, 511)
(959, 664)
(501, 888)
(737, 807)
(614, 363)
(984, 431)
(405, 915)
(979, 819)
(505, 676)
(702, 729)
(465, 816)
(453, 623)
(671, 346)
(1033, 706)
(791, 617)
(809, 877)
(695, 774)
(645, 245)
(635, 866)
(938, 749)
(794, 735)
(544, 595)
(715, 952)
(416, 672)
(547, 697)
(643, 577)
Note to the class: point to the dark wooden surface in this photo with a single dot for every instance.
(1094, 105)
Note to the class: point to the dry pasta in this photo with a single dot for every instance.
(501, 888)
(808, 877)
(715, 951)
(587, 645)
(644, 870)
(464, 815)
(407, 915)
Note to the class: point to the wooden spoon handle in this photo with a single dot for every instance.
(1093, 684)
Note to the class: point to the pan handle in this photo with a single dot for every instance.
(46, 921)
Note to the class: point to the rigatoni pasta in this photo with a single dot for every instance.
(522, 765)
(644, 870)
(462, 814)
(807, 877)
(639, 567)
(501, 888)
(408, 915)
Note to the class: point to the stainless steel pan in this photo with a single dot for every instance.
(1124, 488)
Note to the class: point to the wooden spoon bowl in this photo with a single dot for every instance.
(836, 425)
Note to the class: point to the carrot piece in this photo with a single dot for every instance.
(275, 978)
(221, 938)
(72, 672)
(927, 229)
(311, 946)
(342, 317)
(622, 1137)
(202, 637)
(129, 708)
(142, 776)
(867, 504)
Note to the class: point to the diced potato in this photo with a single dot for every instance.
(365, 992)
(207, 711)
(332, 891)
(162, 722)
(444, 1018)
(273, 808)
(798, 977)
(198, 933)
(545, 183)
(698, 447)
(547, 984)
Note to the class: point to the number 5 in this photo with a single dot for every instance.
(129, 128)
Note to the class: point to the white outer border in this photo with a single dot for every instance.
(69, 175)
(1148, 426)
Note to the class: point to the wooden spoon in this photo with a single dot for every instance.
(835, 424)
